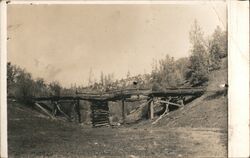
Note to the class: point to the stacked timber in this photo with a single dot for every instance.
(100, 113)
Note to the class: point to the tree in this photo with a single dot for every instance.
(128, 74)
(41, 88)
(90, 80)
(102, 79)
(198, 67)
(214, 56)
(219, 38)
(55, 88)
(182, 67)
(168, 74)
(217, 48)
(167, 70)
(10, 74)
(196, 34)
(24, 85)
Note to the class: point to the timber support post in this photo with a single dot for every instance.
(123, 110)
(151, 109)
(78, 110)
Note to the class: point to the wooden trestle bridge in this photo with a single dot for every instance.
(99, 101)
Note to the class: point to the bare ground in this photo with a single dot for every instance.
(32, 135)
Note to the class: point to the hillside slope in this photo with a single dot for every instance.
(208, 111)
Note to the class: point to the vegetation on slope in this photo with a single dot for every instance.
(208, 111)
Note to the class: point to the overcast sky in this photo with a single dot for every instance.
(63, 42)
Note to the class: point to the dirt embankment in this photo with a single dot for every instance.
(208, 111)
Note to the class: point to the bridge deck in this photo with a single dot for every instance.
(127, 93)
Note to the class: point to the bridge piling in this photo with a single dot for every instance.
(123, 110)
(150, 108)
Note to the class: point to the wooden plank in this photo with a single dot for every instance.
(99, 122)
(103, 124)
(101, 116)
(170, 103)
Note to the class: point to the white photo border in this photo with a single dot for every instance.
(238, 67)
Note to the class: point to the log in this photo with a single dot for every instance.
(57, 106)
(100, 119)
(100, 115)
(100, 112)
(44, 110)
(151, 110)
(100, 109)
(100, 122)
(103, 124)
(127, 94)
(167, 102)
(164, 114)
(123, 111)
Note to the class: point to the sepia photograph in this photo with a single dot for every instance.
(117, 80)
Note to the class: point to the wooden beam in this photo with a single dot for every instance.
(164, 114)
(141, 106)
(167, 102)
(78, 112)
(60, 110)
(44, 110)
(123, 110)
(151, 109)
(109, 96)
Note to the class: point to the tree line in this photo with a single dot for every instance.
(206, 55)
